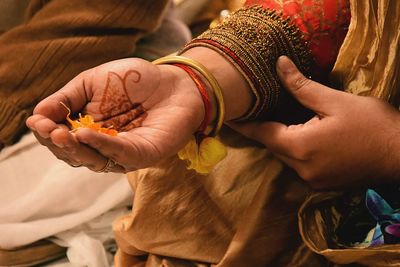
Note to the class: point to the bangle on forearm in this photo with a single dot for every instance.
(204, 95)
(211, 81)
(203, 151)
(252, 39)
(240, 65)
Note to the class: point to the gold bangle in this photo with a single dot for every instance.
(211, 80)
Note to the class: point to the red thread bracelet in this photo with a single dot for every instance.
(204, 95)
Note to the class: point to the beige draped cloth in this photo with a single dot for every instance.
(368, 64)
(245, 213)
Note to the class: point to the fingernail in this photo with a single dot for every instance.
(285, 65)
(30, 126)
(44, 135)
(59, 145)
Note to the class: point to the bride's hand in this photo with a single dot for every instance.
(155, 109)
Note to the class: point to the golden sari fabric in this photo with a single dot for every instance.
(246, 212)
(369, 60)
(368, 64)
(243, 214)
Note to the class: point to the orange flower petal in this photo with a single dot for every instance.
(87, 121)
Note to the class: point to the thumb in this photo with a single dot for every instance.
(312, 95)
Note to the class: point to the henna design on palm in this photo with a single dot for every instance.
(118, 110)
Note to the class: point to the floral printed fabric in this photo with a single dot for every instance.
(387, 230)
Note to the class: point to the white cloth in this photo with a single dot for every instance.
(41, 196)
(92, 243)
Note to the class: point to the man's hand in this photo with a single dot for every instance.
(352, 140)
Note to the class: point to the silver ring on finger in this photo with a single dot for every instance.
(75, 165)
(108, 167)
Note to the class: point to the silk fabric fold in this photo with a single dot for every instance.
(245, 212)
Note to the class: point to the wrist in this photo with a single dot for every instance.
(235, 89)
(181, 83)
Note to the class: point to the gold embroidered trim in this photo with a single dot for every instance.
(257, 37)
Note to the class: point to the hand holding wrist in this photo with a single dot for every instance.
(352, 141)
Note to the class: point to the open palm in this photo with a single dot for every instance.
(155, 108)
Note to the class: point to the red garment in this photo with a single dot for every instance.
(324, 24)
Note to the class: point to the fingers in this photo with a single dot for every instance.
(275, 136)
(110, 165)
(312, 95)
(76, 153)
(251, 130)
(292, 163)
(60, 153)
(74, 95)
(65, 146)
(114, 148)
(42, 125)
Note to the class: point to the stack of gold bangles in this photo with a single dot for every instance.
(202, 154)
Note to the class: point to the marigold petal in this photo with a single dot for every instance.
(212, 151)
(190, 151)
(108, 131)
(202, 158)
(87, 121)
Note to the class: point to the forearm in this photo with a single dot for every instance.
(246, 46)
(235, 89)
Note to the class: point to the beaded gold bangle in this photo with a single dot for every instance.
(252, 39)
(210, 79)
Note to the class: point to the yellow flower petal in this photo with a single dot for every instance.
(212, 151)
(203, 158)
(190, 151)
(86, 120)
